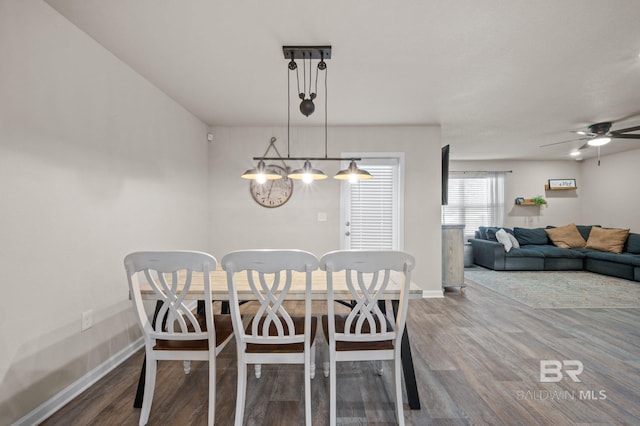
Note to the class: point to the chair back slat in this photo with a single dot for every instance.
(170, 276)
(368, 275)
(270, 277)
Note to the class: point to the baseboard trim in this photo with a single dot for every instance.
(432, 294)
(53, 404)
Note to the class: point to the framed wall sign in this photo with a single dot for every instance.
(562, 184)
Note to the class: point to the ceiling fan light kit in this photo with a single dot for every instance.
(603, 140)
(600, 134)
(307, 95)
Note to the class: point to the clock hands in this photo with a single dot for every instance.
(270, 187)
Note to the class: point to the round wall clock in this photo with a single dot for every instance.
(272, 193)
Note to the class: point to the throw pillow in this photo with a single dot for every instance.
(503, 238)
(514, 241)
(566, 236)
(526, 236)
(607, 239)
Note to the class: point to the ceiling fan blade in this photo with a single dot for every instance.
(584, 146)
(558, 143)
(627, 130)
(624, 136)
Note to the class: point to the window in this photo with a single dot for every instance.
(475, 199)
(371, 216)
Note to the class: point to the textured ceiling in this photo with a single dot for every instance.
(501, 78)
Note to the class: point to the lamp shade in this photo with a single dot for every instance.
(353, 173)
(261, 173)
(307, 174)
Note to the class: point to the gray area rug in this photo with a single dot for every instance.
(556, 290)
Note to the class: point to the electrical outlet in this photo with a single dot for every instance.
(87, 320)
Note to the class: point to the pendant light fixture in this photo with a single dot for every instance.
(352, 173)
(307, 174)
(308, 93)
(260, 173)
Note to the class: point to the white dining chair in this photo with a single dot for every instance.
(273, 335)
(366, 332)
(178, 332)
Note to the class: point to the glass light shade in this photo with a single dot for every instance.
(574, 153)
(599, 141)
(307, 174)
(261, 173)
(352, 173)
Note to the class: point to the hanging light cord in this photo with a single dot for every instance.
(289, 104)
(304, 75)
(325, 108)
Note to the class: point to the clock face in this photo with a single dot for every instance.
(272, 193)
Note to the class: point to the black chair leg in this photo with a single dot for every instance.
(137, 403)
(407, 365)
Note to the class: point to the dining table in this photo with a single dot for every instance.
(297, 291)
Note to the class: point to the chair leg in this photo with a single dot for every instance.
(332, 389)
(149, 386)
(309, 367)
(212, 388)
(241, 391)
(397, 378)
(313, 360)
(258, 370)
(377, 365)
(325, 364)
(187, 366)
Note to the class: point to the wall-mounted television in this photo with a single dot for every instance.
(445, 175)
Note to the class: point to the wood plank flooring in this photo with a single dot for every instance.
(477, 357)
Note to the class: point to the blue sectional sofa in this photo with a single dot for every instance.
(537, 252)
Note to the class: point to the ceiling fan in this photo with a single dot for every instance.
(599, 134)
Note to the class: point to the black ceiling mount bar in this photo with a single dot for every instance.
(306, 52)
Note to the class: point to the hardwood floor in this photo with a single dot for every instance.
(477, 357)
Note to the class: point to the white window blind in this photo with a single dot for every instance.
(475, 199)
(371, 210)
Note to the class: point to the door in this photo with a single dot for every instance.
(371, 210)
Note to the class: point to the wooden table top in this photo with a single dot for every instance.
(219, 290)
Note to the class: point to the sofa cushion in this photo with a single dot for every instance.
(585, 230)
(566, 236)
(624, 258)
(527, 236)
(482, 232)
(491, 233)
(633, 243)
(548, 250)
(607, 239)
(523, 252)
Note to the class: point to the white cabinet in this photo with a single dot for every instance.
(453, 256)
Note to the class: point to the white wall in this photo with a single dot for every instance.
(607, 195)
(240, 223)
(527, 179)
(95, 162)
(610, 191)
